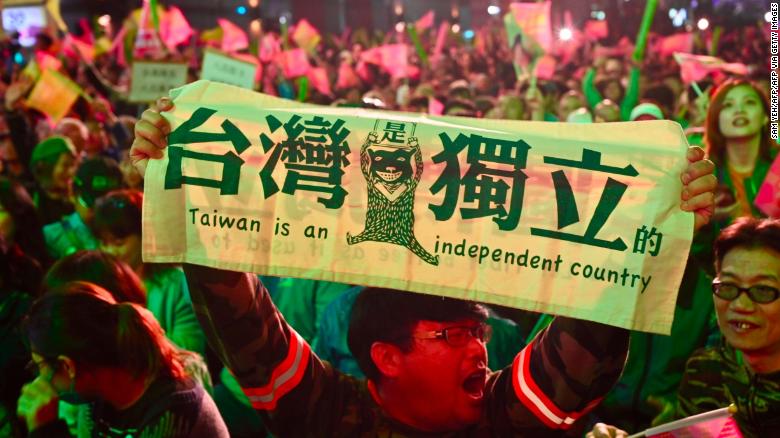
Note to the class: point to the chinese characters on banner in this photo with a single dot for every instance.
(574, 220)
(220, 67)
(152, 80)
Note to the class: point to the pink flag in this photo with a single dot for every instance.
(395, 60)
(347, 77)
(174, 28)
(306, 36)
(233, 37)
(76, 48)
(596, 29)
(425, 22)
(435, 107)
(269, 47)
(318, 78)
(545, 68)
(444, 29)
(86, 32)
(697, 67)
(768, 197)
(293, 63)
(392, 58)
(681, 42)
(363, 72)
(534, 20)
(118, 45)
(246, 57)
(47, 62)
(567, 20)
(719, 427)
(373, 56)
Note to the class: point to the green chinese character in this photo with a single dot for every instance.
(394, 132)
(492, 191)
(645, 236)
(567, 205)
(186, 134)
(313, 162)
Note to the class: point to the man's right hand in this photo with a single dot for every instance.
(151, 135)
(601, 430)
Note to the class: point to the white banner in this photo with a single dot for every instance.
(570, 219)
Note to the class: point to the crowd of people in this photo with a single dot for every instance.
(96, 342)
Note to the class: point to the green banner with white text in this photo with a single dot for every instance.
(568, 219)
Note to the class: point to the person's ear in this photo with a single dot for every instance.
(387, 358)
(67, 365)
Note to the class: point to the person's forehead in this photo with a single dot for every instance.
(760, 261)
(741, 91)
(439, 325)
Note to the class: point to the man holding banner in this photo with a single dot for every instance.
(425, 356)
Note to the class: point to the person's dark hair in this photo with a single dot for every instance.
(83, 322)
(99, 268)
(386, 315)
(662, 96)
(95, 177)
(28, 231)
(602, 85)
(716, 143)
(747, 232)
(44, 158)
(118, 213)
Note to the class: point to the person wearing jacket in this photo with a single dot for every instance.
(745, 368)
(425, 356)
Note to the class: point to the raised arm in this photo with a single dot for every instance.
(560, 376)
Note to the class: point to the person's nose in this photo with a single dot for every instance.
(743, 304)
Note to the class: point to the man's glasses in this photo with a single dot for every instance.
(459, 336)
(758, 294)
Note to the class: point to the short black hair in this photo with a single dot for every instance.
(747, 232)
(387, 315)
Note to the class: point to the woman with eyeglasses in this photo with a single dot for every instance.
(745, 369)
(115, 359)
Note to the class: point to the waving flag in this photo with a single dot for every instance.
(318, 78)
(696, 67)
(392, 58)
(47, 62)
(768, 196)
(596, 29)
(174, 28)
(269, 47)
(306, 36)
(233, 37)
(545, 68)
(681, 42)
(440, 38)
(77, 48)
(347, 78)
(425, 22)
(533, 19)
(293, 62)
